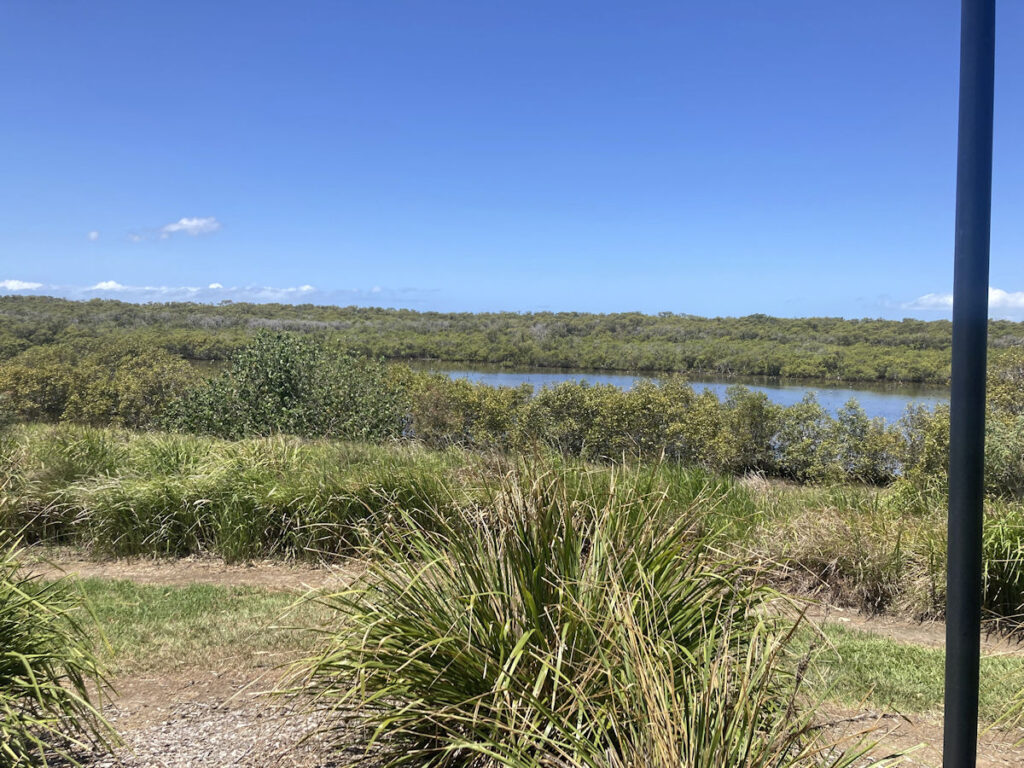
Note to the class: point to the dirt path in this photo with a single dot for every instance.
(930, 634)
(275, 575)
(266, 574)
(919, 739)
(208, 720)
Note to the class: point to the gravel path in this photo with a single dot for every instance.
(211, 722)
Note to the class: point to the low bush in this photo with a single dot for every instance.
(281, 384)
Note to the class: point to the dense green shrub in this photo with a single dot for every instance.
(751, 422)
(287, 384)
(120, 383)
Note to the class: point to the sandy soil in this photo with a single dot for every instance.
(919, 739)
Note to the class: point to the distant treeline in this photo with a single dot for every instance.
(756, 345)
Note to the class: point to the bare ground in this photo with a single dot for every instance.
(275, 575)
(210, 720)
(919, 739)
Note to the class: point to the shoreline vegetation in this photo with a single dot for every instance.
(297, 451)
(282, 383)
(810, 349)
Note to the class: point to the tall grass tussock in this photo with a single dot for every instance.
(550, 630)
(125, 494)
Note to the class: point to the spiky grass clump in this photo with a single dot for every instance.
(553, 632)
(37, 466)
(50, 679)
(266, 497)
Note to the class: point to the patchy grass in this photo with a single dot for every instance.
(887, 675)
(146, 628)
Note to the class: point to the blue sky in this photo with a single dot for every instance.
(791, 158)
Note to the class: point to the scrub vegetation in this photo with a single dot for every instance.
(758, 345)
(123, 493)
(288, 384)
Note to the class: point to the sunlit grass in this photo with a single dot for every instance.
(550, 630)
(163, 628)
(860, 667)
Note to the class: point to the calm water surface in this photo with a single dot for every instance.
(887, 401)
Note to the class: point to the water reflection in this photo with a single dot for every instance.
(886, 400)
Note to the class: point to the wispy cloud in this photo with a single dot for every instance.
(1000, 303)
(942, 301)
(193, 226)
(210, 292)
(19, 285)
(187, 225)
(94, 235)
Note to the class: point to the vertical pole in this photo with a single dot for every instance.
(967, 395)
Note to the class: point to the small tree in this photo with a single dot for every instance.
(281, 383)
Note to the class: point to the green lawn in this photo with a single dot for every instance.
(905, 678)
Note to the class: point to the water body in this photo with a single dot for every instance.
(886, 400)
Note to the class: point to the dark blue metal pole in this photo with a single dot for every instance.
(967, 395)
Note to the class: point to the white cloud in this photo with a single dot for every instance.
(931, 301)
(191, 226)
(108, 285)
(18, 285)
(94, 235)
(1000, 302)
(999, 299)
(212, 292)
